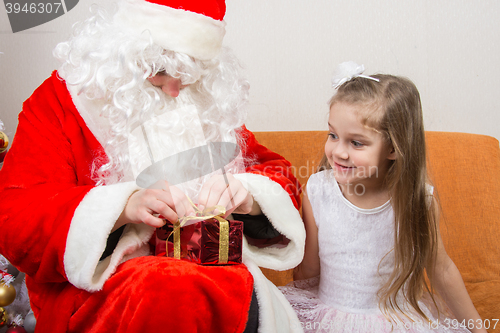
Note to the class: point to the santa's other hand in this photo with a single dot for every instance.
(229, 192)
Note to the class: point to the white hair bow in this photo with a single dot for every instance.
(346, 71)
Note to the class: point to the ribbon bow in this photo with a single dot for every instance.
(346, 71)
(202, 215)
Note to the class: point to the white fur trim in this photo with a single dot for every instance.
(276, 204)
(275, 312)
(178, 30)
(88, 233)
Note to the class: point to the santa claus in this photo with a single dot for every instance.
(136, 90)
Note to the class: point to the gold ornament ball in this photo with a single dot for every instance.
(7, 294)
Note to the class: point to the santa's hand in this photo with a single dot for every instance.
(144, 206)
(228, 192)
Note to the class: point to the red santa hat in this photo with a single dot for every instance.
(193, 27)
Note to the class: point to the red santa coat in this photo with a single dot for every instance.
(55, 224)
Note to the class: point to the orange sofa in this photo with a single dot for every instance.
(465, 171)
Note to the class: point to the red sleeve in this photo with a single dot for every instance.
(263, 161)
(44, 177)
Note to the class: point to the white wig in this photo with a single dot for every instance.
(107, 64)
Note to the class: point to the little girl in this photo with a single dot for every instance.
(372, 221)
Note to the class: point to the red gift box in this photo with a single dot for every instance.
(209, 242)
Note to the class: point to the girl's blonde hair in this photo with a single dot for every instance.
(394, 109)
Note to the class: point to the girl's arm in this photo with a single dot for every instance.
(309, 267)
(448, 282)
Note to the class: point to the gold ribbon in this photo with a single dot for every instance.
(223, 240)
(204, 214)
(177, 240)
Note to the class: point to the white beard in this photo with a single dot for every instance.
(173, 127)
(178, 153)
(172, 146)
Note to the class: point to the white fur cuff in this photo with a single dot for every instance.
(276, 204)
(90, 227)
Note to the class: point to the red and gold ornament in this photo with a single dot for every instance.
(3, 317)
(4, 143)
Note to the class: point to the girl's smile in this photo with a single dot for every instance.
(343, 168)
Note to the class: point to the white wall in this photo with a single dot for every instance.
(289, 49)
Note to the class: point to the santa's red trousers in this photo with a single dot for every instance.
(155, 294)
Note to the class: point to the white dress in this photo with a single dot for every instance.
(356, 259)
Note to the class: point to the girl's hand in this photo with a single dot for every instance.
(145, 205)
(230, 194)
